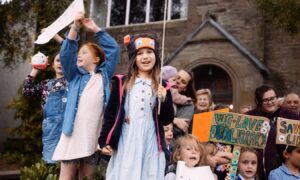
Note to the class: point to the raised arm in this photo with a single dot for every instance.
(69, 49)
(30, 88)
(107, 43)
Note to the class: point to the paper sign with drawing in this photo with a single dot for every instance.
(239, 129)
(288, 132)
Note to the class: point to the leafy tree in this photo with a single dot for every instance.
(283, 13)
(20, 24)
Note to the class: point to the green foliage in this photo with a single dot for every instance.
(100, 170)
(13, 158)
(22, 14)
(17, 21)
(283, 13)
(12, 40)
(29, 111)
(20, 24)
(40, 170)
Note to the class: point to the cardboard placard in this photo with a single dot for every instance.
(288, 132)
(202, 123)
(239, 129)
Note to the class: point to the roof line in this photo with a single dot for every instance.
(260, 65)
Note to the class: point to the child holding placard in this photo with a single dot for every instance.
(187, 149)
(88, 70)
(247, 168)
(290, 168)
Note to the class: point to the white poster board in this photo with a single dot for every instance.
(196, 173)
(64, 20)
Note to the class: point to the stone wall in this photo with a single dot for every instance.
(282, 56)
(241, 18)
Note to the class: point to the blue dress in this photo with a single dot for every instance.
(138, 156)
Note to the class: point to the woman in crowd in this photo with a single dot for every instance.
(267, 106)
(184, 113)
(204, 101)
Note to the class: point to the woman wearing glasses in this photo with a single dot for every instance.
(267, 106)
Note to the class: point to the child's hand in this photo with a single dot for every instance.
(34, 72)
(107, 150)
(223, 157)
(181, 124)
(90, 25)
(161, 93)
(78, 19)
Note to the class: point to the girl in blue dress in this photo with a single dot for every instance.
(133, 127)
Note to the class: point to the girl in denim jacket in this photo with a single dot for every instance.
(88, 72)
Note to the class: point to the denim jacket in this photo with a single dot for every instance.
(78, 77)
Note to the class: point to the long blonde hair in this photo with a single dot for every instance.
(210, 149)
(180, 142)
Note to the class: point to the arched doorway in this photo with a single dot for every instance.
(217, 80)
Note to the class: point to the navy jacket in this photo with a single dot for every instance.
(114, 117)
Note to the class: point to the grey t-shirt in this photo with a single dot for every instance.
(185, 111)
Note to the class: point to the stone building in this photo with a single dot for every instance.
(228, 44)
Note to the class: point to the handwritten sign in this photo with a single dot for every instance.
(288, 132)
(202, 123)
(65, 19)
(239, 129)
(194, 173)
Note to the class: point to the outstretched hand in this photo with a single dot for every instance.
(223, 157)
(34, 72)
(78, 19)
(90, 25)
(107, 150)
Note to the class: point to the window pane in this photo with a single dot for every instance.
(178, 9)
(118, 10)
(137, 11)
(157, 10)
